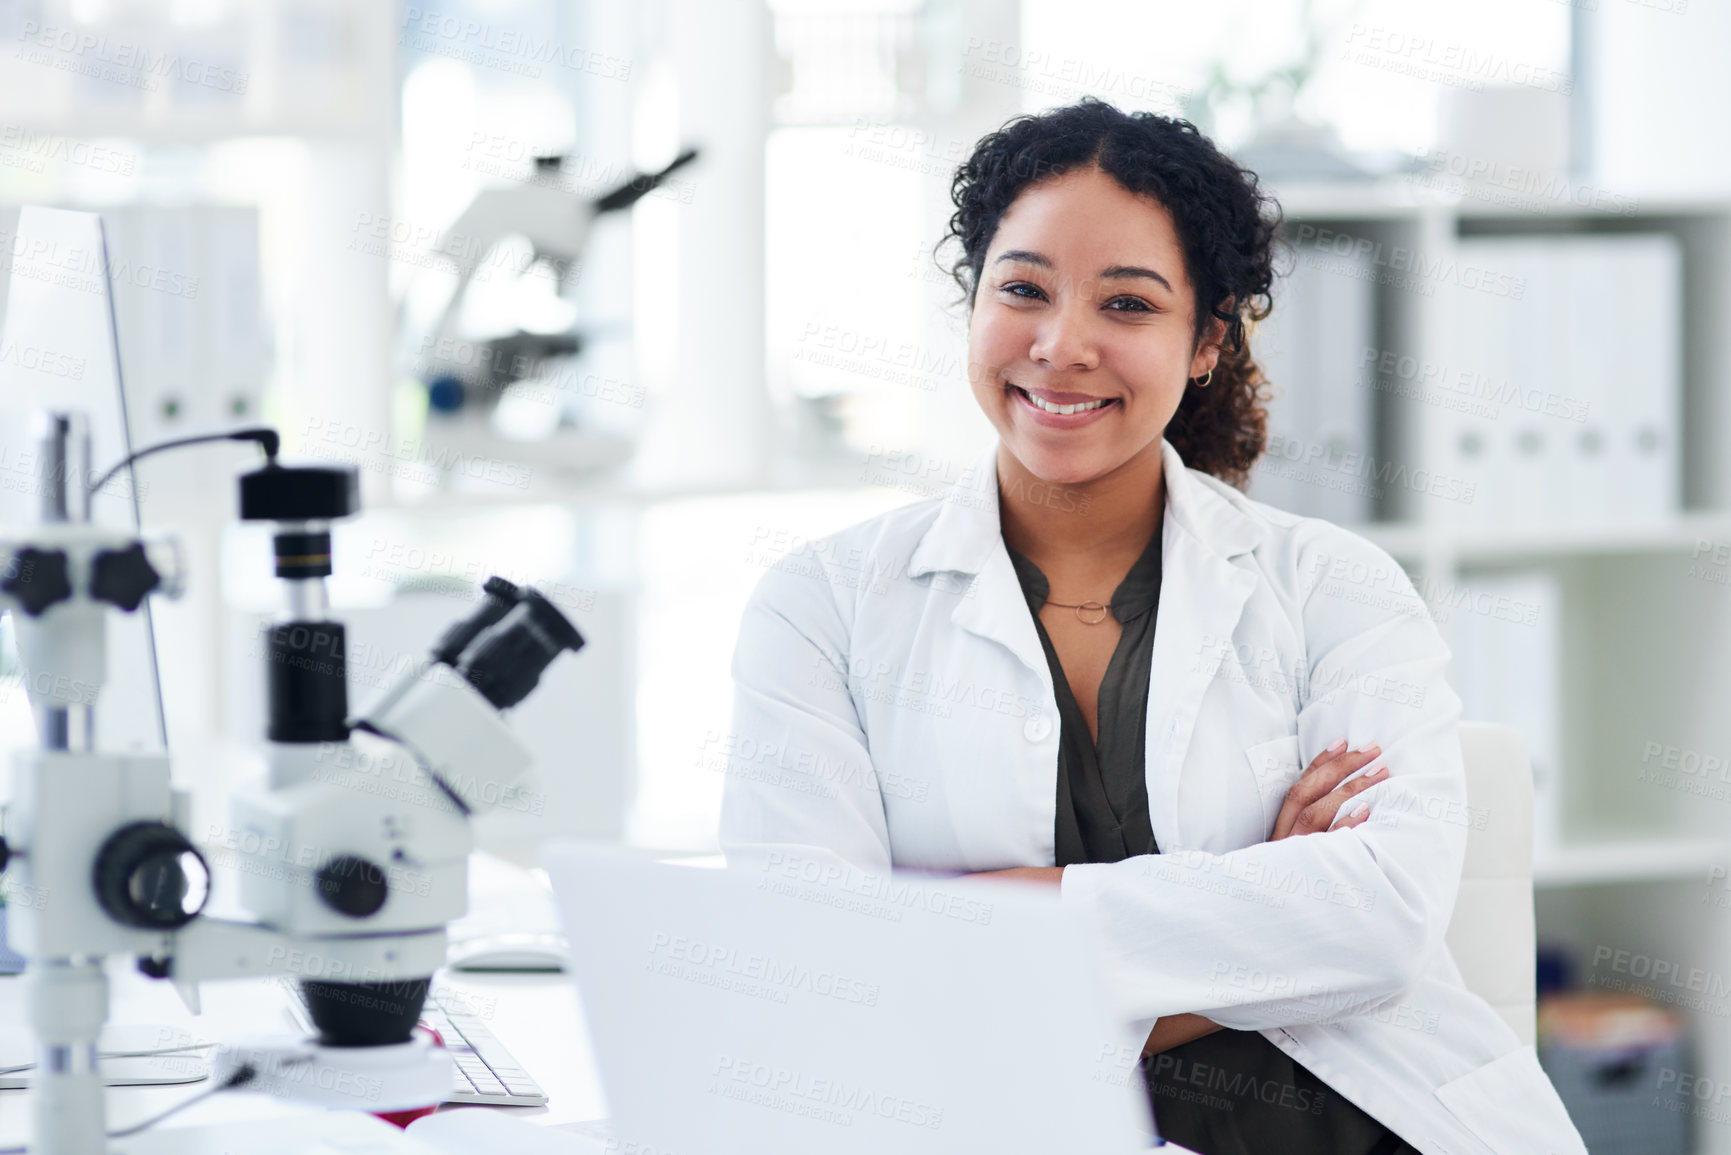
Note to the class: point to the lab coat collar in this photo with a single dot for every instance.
(1202, 597)
(966, 533)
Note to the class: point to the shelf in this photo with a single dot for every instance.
(1385, 199)
(1635, 860)
(1563, 210)
(1404, 197)
(1495, 544)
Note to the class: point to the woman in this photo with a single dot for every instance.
(1094, 663)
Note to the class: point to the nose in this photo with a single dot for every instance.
(1064, 341)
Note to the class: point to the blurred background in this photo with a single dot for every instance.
(1500, 348)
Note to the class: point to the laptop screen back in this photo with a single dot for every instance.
(766, 1010)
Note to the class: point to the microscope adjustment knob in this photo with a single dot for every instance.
(352, 885)
(37, 578)
(445, 393)
(149, 876)
(121, 577)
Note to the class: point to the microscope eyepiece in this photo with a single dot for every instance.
(498, 597)
(505, 662)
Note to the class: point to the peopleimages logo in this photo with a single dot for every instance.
(82, 50)
(828, 1100)
(42, 360)
(891, 892)
(728, 968)
(83, 269)
(1314, 241)
(38, 148)
(1533, 188)
(501, 46)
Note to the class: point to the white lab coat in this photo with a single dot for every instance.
(903, 647)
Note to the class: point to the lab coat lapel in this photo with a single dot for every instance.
(997, 610)
(1202, 597)
(966, 538)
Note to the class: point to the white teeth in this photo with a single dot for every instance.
(1079, 407)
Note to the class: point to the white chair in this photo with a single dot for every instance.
(1491, 934)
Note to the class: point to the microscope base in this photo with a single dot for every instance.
(405, 1077)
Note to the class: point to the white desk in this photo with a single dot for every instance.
(538, 1017)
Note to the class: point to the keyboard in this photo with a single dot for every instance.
(484, 1072)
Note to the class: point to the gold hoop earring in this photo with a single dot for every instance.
(1202, 381)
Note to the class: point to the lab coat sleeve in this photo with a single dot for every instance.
(1325, 926)
(799, 786)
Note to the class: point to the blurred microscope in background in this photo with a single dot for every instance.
(468, 375)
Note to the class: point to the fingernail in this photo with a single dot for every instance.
(1373, 748)
(1359, 811)
(1377, 773)
(1337, 747)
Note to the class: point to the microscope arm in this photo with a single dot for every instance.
(208, 949)
(555, 223)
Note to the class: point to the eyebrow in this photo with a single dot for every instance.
(1115, 272)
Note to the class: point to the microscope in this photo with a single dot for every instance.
(346, 885)
(556, 224)
(465, 380)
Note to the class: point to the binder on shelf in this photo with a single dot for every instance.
(1313, 349)
(237, 346)
(1526, 363)
(1570, 406)
(1590, 389)
(1642, 382)
(158, 314)
(1505, 634)
(187, 307)
(1471, 448)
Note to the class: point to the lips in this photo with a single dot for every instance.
(1056, 397)
(1061, 410)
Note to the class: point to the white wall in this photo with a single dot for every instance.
(1661, 90)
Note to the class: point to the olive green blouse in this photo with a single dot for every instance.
(1230, 1092)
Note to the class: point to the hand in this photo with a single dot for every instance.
(1317, 797)
(1171, 1030)
(1049, 874)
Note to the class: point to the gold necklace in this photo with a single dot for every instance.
(1089, 606)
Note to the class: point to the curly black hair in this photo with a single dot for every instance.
(1228, 228)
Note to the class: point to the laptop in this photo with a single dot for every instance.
(797, 1005)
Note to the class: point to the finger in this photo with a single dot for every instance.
(1319, 815)
(1346, 791)
(1329, 770)
(1356, 816)
(1324, 774)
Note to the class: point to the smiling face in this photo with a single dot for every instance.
(1082, 336)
